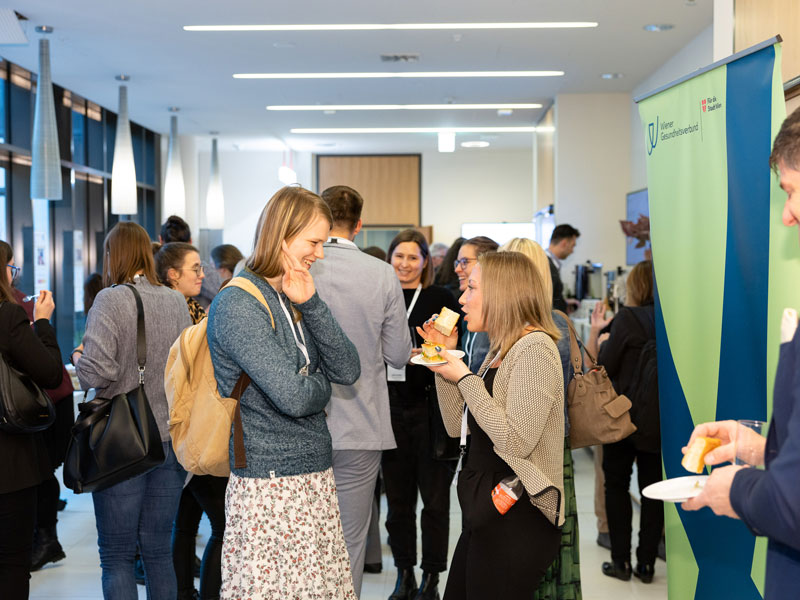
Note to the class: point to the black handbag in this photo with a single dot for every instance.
(24, 407)
(115, 439)
(443, 447)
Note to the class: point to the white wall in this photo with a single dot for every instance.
(472, 185)
(695, 55)
(592, 171)
(249, 179)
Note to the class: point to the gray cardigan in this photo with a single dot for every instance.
(282, 411)
(109, 361)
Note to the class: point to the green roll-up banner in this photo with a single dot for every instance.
(725, 268)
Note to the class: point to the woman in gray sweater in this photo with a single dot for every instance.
(143, 507)
(283, 532)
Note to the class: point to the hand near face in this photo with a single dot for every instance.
(431, 334)
(453, 370)
(298, 285)
(598, 317)
(716, 493)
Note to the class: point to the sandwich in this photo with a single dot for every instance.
(430, 352)
(693, 459)
(446, 321)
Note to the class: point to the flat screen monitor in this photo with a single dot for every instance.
(636, 206)
(499, 232)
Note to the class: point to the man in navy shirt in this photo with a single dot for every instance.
(768, 501)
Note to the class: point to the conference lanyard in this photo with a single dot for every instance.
(300, 345)
(469, 342)
(463, 442)
(413, 301)
(399, 375)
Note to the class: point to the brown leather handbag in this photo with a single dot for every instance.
(597, 414)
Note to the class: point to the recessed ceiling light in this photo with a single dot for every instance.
(658, 27)
(394, 26)
(335, 107)
(345, 130)
(474, 144)
(402, 75)
(612, 75)
(504, 112)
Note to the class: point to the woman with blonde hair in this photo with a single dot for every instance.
(283, 533)
(563, 577)
(141, 508)
(514, 411)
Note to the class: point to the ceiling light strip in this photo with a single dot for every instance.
(357, 130)
(394, 26)
(403, 75)
(323, 107)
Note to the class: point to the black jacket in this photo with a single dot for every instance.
(558, 288)
(34, 351)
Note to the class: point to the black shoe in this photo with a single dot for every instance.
(644, 572)
(619, 569)
(197, 564)
(406, 585)
(138, 569)
(373, 568)
(428, 587)
(604, 540)
(62, 504)
(662, 550)
(46, 548)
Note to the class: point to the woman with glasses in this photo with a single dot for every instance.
(178, 266)
(475, 343)
(412, 468)
(24, 463)
(142, 508)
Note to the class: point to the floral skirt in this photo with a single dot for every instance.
(283, 539)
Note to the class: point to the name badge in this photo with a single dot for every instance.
(393, 374)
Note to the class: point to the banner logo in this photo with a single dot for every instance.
(652, 135)
(703, 104)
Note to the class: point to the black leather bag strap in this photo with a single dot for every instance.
(90, 413)
(141, 339)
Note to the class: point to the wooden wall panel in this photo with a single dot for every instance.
(390, 185)
(758, 20)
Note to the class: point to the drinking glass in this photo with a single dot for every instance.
(749, 443)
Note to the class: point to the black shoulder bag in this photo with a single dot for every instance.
(115, 439)
(24, 407)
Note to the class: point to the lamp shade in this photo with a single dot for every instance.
(215, 202)
(174, 189)
(123, 170)
(447, 141)
(45, 156)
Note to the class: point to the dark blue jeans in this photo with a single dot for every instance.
(143, 509)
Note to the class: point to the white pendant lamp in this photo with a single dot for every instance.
(215, 202)
(174, 188)
(123, 170)
(45, 155)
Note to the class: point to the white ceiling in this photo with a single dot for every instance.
(95, 40)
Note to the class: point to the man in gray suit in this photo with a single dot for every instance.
(364, 295)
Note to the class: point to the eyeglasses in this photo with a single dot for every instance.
(198, 270)
(463, 262)
(14, 271)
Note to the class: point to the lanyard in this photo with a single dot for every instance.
(413, 301)
(300, 345)
(469, 342)
(463, 442)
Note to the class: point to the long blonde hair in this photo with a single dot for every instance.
(513, 298)
(535, 252)
(291, 209)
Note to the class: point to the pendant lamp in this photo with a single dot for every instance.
(45, 155)
(215, 202)
(123, 170)
(174, 189)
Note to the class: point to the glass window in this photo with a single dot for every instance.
(21, 107)
(149, 158)
(94, 136)
(41, 245)
(78, 132)
(3, 101)
(3, 206)
(137, 135)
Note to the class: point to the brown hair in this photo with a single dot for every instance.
(412, 235)
(345, 204)
(6, 254)
(126, 251)
(639, 285)
(226, 256)
(287, 213)
(171, 256)
(513, 298)
(482, 244)
(535, 252)
(786, 147)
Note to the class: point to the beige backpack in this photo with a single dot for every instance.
(200, 419)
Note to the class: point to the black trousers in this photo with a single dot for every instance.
(498, 556)
(408, 469)
(17, 517)
(203, 493)
(618, 461)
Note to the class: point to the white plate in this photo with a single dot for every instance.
(679, 489)
(418, 360)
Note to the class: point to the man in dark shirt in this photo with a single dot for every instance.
(768, 501)
(562, 244)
